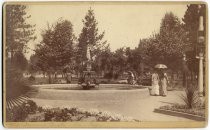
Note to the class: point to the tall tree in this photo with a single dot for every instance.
(171, 41)
(89, 37)
(120, 59)
(56, 48)
(20, 61)
(63, 42)
(135, 60)
(167, 46)
(18, 31)
(18, 34)
(191, 23)
(102, 63)
(149, 52)
(33, 67)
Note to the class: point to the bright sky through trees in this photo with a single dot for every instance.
(124, 24)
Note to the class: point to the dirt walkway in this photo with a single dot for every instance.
(141, 109)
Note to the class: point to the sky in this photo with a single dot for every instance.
(124, 23)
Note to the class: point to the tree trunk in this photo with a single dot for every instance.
(184, 79)
(55, 75)
(44, 74)
(141, 69)
(50, 78)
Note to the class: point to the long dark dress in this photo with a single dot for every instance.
(164, 82)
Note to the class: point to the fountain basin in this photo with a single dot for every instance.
(103, 92)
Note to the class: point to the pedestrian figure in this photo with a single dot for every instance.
(68, 77)
(155, 84)
(163, 84)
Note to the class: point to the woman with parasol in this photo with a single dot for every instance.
(163, 79)
(155, 84)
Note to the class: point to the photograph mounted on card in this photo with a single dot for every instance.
(105, 64)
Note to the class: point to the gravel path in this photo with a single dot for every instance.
(138, 108)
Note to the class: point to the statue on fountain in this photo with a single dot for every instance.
(89, 59)
(131, 78)
(88, 79)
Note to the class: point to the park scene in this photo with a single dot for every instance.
(104, 62)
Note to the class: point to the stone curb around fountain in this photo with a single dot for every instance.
(116, 94)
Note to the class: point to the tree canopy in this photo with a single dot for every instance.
(56, 49)
(167, 46)
(89, 36)
(18, 31)
(174, 39)
(191, 24)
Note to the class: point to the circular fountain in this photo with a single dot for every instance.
(89, 89)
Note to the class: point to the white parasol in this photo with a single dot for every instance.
(161, 66)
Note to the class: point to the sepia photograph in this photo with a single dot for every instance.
(105, 64)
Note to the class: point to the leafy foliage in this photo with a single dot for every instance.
(19, 32)
(89, 37)
(191, 23)
(19, 113)
(29, 108)
(167, 46)
(102, 62)
(173, 40)
(15, 85)
(56, 48)
(33, 67)
(20, 61)
(191, 97)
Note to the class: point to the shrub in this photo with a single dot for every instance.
(75, 114)
(30, 106)
(40, 109)
(191, 97)
(48, 115)
(15, 88)
(16, 114)
(108, 75)
(116, 76)
(31, 78)
(19, 113)
(15, 84)
(29, 111)
(103, 82)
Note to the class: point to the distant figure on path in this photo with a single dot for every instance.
(163, 83)
(68, 77)
(155, 84)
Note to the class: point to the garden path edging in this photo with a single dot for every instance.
(180, 114)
